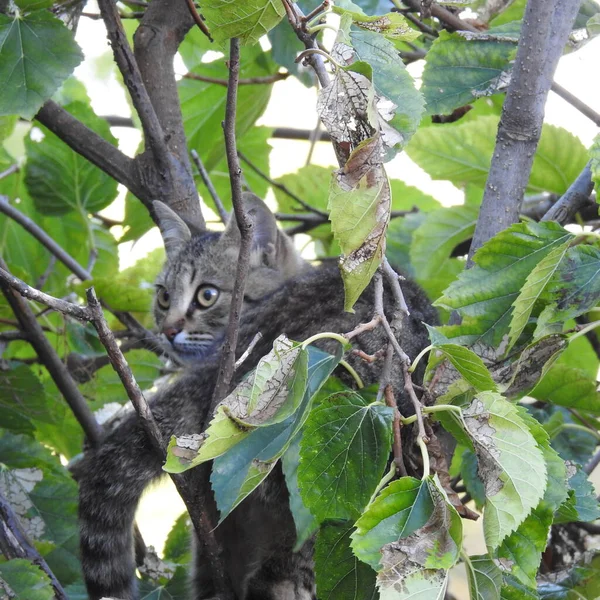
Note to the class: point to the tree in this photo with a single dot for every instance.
(511, 374)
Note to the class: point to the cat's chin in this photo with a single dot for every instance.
(194, 355)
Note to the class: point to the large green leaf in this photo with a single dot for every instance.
(26, 580)
(203, 104)
(462, 152)
(581, 581)
(37, 53)
(339, 573)
(484, 294)
(417, 566)
(237, 474)
(248, 20)
(402, 507)
(59, 179)
(44, 497)
(463, 66)
(470, 366)
(505, 450)
(345, 448)
(440, 232)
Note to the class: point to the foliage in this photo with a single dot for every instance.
(525, 417)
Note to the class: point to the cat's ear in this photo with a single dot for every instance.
(175, 232)
(270, 246)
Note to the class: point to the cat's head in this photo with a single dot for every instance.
(193, 292)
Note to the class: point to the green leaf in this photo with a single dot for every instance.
(470, 366)
(309, 183)
(402, 507)
(570, 387)
(574, 288)
(581, 504)
(440, 232)
(306, 524)
(248, 20)
(236, 474)
(38, 53)
(533, 288)
(137, 219)
(582, 581)
(344, 451)
(484, 294)
(513, 589)
(339, 573)
(390, 25)
(468, 471)
(60, 180)
(178, 542)
(521, 552)
(419, 563)
(391, 81)
(359, 204)
(485, 578)
(464, 66)
(462, 152)
(203, 104)
(505, 450)
(22, 399)
(26, 580)
(44, 497)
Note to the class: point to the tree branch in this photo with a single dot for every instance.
(575, 198)
(267, 79)
(198, 20)
(14, 544)
(210, 187)
(226, 365)
(90, 145)
(573, 100)
(546, 27)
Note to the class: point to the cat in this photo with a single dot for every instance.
(283, 294)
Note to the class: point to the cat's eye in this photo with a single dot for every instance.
(206, 296)
(163, 298)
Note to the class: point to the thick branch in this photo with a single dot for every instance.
(226, 366)
(89, 144)
(14, 544)
(545, 31)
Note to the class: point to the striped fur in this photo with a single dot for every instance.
(259, 536)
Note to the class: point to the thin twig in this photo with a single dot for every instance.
(245, 226)
(577, 196)
(314, 136)
(592, 463)
(408, 387)
(15, 544)
(573, 100)
(282, 187)
(264, 80)
(43, 278)
(394, 280)
(210, 187)
(198, 20)
(363, 327)
(11, 336)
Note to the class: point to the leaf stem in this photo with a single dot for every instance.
(384, 481)
(325, 335)
(355, 375)
(425, 456)
(322, 53)
(321, 27)
(584, 330)
(432, 409)
(576, 427)
(419, 356)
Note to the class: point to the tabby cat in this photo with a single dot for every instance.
(283, 294)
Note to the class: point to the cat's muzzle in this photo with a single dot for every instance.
(193, 346)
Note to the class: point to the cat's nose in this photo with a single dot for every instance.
(171, 331)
